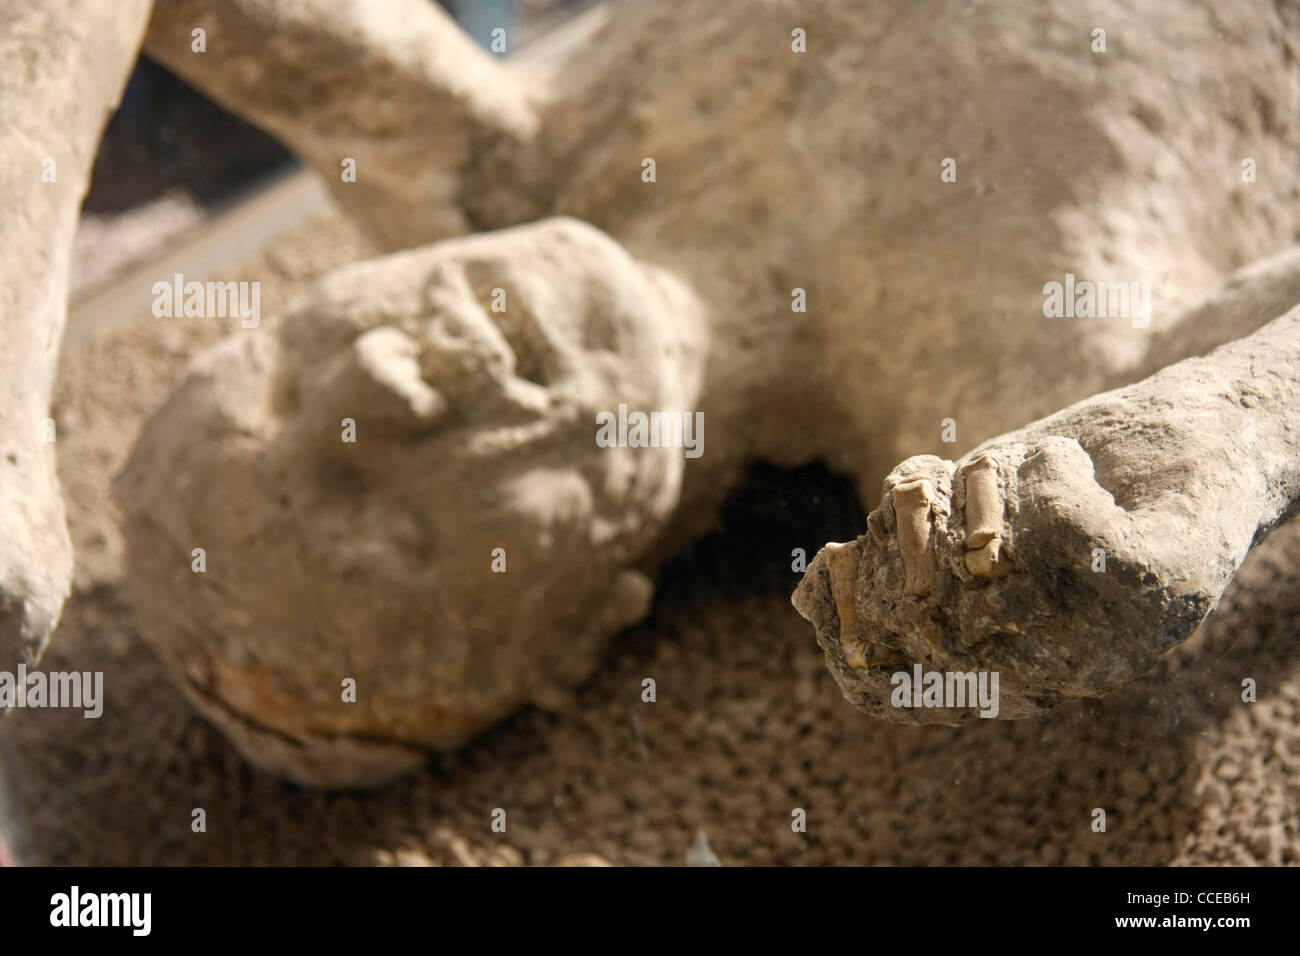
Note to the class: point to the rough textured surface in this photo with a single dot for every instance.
(104, 393)
(471, 551)
(748, 726)
(774, 171)
(821, 170)
(749, 723)
(63, 65)
(1126, 515)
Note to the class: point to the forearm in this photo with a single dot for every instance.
(1211, 444)
(394, 85)
(1068, 555)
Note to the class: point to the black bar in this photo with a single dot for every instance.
(649, 907)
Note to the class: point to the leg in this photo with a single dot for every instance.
(63, 66)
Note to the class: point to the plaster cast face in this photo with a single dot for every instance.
(404, 480)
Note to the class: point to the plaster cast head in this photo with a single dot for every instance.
(400, 485)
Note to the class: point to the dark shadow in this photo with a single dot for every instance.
(166, 136)
(759, 526)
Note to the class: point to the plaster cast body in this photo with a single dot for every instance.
(776, 173)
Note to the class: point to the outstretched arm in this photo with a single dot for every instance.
(1069, 555)
(394, 85)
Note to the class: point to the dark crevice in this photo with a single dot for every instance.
(775, 511)
(166, 136)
